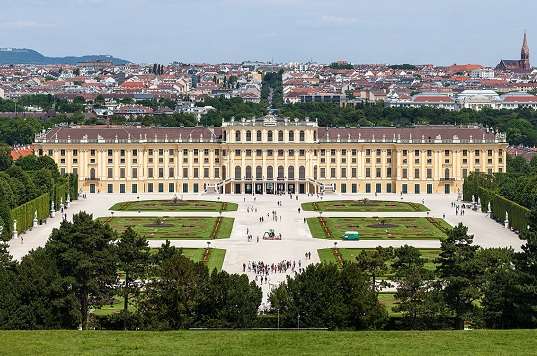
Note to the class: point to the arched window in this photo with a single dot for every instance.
(280, 172)
(237, 135)
(291, 136)
(314, 172)
(225, 135)
(258, 172)
(302, 136)
(446, 173)
(280, 136)
(291, 172)
(301, 172)
(92, 173)
(248, 136)
(269, 136)
(238, 175)
(248, 172)
(258, 136)
(314, 135)
(224, 172)
(270, 172)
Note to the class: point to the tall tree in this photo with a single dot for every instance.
(459, 275)
(84, 253)
(327, 296)
(46, 301)
(415, 289)
(526, 265)
(133, 259)
(375, 264)
(171, 297)
(500, 288)
(5, 157)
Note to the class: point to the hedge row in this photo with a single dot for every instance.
(24, 214)
(499, 205)
(72, 180)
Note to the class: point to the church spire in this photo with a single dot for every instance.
(525, 53)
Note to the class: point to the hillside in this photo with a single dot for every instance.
(29, 56)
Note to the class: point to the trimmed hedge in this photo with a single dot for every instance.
(499, 205)
(24, 214)
(72, 180)
(60, 194)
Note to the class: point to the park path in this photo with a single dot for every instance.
(296, 238)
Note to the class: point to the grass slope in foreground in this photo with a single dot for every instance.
(410, 228)
(364, 205)
(268, 343)
(173, 228)
(171, 205)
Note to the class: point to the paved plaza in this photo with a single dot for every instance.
(296, 239)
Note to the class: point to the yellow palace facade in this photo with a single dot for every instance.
(271, 155)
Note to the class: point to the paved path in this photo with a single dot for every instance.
(296, 238)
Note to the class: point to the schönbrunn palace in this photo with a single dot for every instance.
(271, 155)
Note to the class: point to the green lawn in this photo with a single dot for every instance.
(349, 254)
(363, 206)
(179, 205)
(115, 307)
(216, 257)
(388, 299)
(408, 228)
(173, 228)
(269, 343)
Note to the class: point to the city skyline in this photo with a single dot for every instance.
(270, 30)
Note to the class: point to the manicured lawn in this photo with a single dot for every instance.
(410, 228)
(363, 206)
(269, 343)
(388, 299)
(115, 307)
(179, 205)
(216, 257)
(172, 228)
(349, 254)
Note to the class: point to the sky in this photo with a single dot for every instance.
(439, 32)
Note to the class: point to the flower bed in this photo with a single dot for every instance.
(215, 228)
(337, 255)
(327, 231)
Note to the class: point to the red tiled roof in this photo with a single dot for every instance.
(19, 152)
(432, 99)
(520, 99)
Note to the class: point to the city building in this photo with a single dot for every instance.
(521, 65)
(271, 155)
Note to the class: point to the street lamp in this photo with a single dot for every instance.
(335, 244)
(208, 244)
(298, 324)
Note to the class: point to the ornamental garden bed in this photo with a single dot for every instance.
(364, 205)
(338, 255)
(172, 228)
(174, 205)
(407, 228)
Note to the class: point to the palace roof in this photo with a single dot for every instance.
(127, 134)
